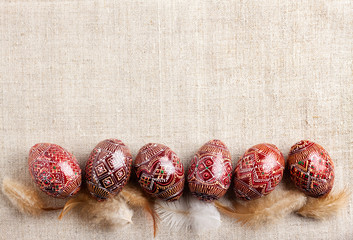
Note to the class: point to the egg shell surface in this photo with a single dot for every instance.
(160, 172)
(210, 172)
(108, 169)
(311, 168)
(55, 170)
(258, 171)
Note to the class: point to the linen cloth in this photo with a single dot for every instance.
(178, 73)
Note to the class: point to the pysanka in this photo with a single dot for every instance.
(258, 171)
(311, 168)
(160, 172)
(54, 170)
(210, 172)
(108, 169)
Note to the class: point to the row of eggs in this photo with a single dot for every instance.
(161, 173)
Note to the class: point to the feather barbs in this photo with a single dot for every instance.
(264, 210)
(325, 207)
(24, 198)
(189, 213)
(135, 198)
(114, 211)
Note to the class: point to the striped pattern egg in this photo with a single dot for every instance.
(311, 168)
(209, 174)
(54, 170)
(258, 171)
(160, 172)
(108, 169)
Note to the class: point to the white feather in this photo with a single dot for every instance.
(174, 214)
(189, 213)
(203, 216)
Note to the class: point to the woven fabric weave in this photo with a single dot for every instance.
(178, 73)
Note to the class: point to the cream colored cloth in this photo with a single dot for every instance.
(179, 73)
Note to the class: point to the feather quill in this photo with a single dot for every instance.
(24, 198)
(174, 214)
(113, 212)
(80, 199)
(267, 209)
(325, 207)
(134, 197)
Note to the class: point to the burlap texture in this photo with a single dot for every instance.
(179, 73)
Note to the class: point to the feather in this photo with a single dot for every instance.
(134, 197)
(267, 209)
(174, 214)
(203, 216)
(189, 213)
(113, 212)
(325, 207)
(24, 198)
(80, 199)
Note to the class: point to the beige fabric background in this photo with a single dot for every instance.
(178, 73)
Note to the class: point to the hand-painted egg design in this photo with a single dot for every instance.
(160, 172)
(54, 170)
(258, 171)
(209, 175)
(108, 169)
(311, 168)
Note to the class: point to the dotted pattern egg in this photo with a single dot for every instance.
(258, 171)
(108, 169)
(54, 170)
(311, 168)
(209, 174)
(160, 172)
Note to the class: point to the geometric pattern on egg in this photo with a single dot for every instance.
(54, 170)
(311, 168)
(258, 171)
(108, 169)
(209, 175)
(160, 172)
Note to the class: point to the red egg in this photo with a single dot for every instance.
(311, 168)
(54, 170)
(258, 171)
(209, 174)
(160, 172)
(108, 169)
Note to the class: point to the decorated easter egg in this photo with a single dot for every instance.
(54, 170)
(160, 172)
(209, 174)
(108, 169)
(311, 168)
(258, 171)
